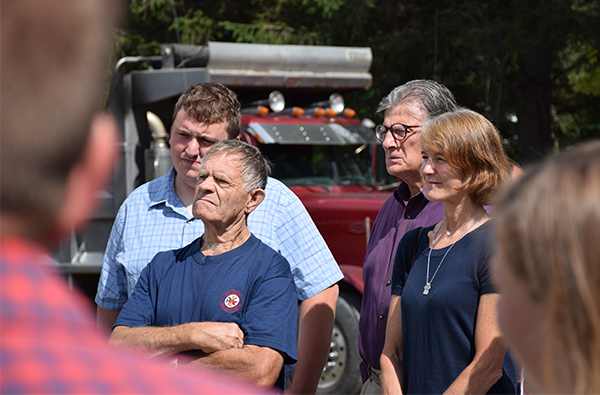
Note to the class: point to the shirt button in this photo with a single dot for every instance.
(380, 316)
(389, 282)
(408, 216)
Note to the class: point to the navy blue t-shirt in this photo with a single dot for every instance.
(250, 285)
(438, 329)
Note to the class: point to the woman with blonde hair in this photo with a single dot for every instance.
(442, 333)
(548, 272)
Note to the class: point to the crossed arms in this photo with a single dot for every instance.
(221, 344)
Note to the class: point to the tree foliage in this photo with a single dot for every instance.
(530, 66)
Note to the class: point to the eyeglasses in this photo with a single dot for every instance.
(399, 131)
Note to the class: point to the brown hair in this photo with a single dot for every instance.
(212, 102)
(548, 233)
(53, 57)
(471, 144)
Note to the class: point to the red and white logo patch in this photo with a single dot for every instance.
(232, 301)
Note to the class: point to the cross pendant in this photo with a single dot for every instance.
(426, 288)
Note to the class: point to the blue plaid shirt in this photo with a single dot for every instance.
(153, 219)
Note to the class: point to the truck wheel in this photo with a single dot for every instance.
(341, 374)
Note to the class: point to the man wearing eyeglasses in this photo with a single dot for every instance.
(404, 110)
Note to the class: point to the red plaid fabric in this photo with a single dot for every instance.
(49, 341)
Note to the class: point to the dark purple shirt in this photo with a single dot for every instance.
(399, 214)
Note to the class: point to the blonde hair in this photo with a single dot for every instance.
(548, 230)
(471, 144)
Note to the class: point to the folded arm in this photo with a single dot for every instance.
(486, 368)
(258, 364)
(208, 337)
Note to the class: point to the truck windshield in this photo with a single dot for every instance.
(325, 165)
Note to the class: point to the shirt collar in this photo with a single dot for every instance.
(413, 204)
(164, 190)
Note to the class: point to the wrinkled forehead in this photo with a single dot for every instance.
(221, 157)
(409, 112)
(224, 163)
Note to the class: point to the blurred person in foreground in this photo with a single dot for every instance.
(158, 216)
(547, 269)
(442, 334)
(404, 110)
(55, 156)
(226, 277)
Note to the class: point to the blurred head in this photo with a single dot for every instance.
(231, 182)
(469, 143)
(411, 104)
(516, 170)
(53, 57)
(547, 232)
(212, 102)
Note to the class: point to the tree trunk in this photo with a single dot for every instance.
(534, 127)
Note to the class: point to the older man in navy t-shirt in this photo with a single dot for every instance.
(227, 278)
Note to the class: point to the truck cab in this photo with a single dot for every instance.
(293, 110)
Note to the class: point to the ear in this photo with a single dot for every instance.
(256, 197)
(90, 174)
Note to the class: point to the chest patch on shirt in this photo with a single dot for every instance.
(232, 301)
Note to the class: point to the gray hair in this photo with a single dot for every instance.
(254, 167)
(431, 97)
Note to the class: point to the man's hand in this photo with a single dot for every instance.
(216, 336)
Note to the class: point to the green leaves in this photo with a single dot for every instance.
(194, 27)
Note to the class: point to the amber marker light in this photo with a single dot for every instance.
(262, 110)
(331, 112)
(298, 111)
(349, 113)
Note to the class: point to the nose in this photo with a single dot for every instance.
(205, 186)
(426, 168)
(192, 149)
(389, 141)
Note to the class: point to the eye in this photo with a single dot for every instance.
(223, 183)
(397, 128)
(206, 143)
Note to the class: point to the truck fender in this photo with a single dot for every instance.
(353, 275)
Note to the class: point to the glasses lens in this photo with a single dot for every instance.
(398, 131)
(380, 131)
